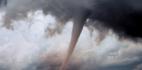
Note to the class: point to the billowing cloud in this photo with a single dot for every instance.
(28, 47)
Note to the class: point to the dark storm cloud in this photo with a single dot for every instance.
(65, 8)
(68, 9)
(3, 3)
(18, 9)
(122, 16)
(138, 67)
(21, 7)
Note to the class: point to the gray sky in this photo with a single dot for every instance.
(21, 48)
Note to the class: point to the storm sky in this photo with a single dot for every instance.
(23, 47)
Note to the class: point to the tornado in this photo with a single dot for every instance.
(123, 17)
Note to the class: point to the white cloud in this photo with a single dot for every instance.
(27, 42)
